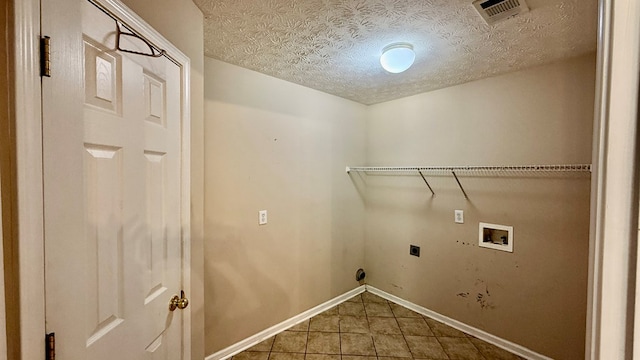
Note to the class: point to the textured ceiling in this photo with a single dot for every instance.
(334, 45)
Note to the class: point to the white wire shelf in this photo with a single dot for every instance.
(473, 170)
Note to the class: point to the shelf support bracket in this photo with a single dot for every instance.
(426, 182)
(460, 185)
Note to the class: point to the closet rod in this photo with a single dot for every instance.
(475, 168)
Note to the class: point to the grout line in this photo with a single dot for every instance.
(271, 348)
(306, 344)
(445, 352)
(370, 333)
(402, 333)
(339, 333)
(477, 348)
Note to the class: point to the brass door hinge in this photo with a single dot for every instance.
(50, 341)
(45, 56)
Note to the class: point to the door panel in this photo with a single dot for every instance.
(112, 195)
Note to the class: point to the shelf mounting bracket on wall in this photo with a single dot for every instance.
(426, 182)
(460, 185)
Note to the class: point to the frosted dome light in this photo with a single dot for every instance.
(397, 57)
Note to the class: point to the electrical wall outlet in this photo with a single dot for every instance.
(262, 217)
(458, 216)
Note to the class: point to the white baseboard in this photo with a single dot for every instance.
(276, 329)
(482, 335)
(265, 334)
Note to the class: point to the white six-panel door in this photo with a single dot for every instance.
(112, 193)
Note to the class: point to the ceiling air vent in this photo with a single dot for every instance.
(493, 11)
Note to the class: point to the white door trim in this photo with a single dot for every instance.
(614, 219)
(29, 195)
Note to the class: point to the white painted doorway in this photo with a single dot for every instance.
(115, 155)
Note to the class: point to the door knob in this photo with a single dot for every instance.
(179, 302)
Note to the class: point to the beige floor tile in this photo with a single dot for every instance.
(425, 347)
(322, 357)
(357, 344)
(358, 357)
(460, 348)
(303, 326)
(491, 351)
(440, 329)
(323, 343)
(351, 308)
(263, 346)
(249, 355)
(327, 323)
(403, 312)
(378, 310)
(332, 311)
(414, 326)
(354, 324)
(290, 341)
(384, 325)
(391, 345)
(368, 327)
(369, 297)
(286, 356)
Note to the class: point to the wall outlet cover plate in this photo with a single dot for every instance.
(262, 217)
(458, 216)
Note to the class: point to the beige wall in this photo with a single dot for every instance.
(276, 146)
(535, 296)
(181, 22)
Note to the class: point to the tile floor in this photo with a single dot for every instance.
(367, 327)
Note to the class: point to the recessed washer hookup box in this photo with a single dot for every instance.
(497, 237)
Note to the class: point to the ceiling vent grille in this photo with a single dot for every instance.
(493, 11)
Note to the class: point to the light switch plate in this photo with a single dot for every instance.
(458, 216)
(262, 217)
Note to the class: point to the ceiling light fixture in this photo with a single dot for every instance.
(397, 57)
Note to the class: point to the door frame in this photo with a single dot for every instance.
(29, 175)
(613, 254)
(29, 193)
